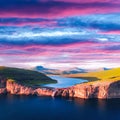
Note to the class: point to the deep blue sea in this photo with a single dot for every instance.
(47, 108)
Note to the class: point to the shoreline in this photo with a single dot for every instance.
(98, 90)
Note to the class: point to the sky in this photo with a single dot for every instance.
(60, 33)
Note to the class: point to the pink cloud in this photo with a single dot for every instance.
(70, 49)
(29, 23)
(111, 32)
(58, 9)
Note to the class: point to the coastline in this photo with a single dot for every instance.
(99, 90)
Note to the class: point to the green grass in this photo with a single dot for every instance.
(27, 77)
(108, 75)
(36, 82)
(88, 78)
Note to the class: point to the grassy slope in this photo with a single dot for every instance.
(108, 75)
(23, 76)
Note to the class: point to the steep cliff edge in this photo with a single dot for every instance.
(107, 85)
(98, 89)
(3, 90)
(22, 82)
(18, 89)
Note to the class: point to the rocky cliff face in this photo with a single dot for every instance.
(3, 86)
(101, 90)
(44, 91)
(3, 90)
(18, 89)
(15, 88)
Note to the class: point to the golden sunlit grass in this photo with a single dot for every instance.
(11, 80)
(108, 75)
(2, 67)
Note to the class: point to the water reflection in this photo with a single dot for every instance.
(46, 108)
(110, 104)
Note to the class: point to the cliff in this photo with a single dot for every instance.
(16, 81)
(107, 85)
(3, 90)
(18, 89)
(98, 89)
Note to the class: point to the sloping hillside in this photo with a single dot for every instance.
(113, 74)
(23, 76)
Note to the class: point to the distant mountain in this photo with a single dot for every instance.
(98, 69)
(41, 68)
(74, 71)
(46, 70)
(58, 72)
(107, 68)
(77, 70)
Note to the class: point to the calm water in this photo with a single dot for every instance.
(64, 82)
(47, 108)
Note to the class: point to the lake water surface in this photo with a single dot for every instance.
(64, 82)
(47, 108)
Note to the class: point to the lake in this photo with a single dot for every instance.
(63, 82)
(47, 108)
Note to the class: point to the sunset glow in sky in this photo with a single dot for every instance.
(60, 33)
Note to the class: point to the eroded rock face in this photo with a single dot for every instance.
(44, 92)
(18, 89)
(96, 90)
(3, 86)
(114, 90)
(3, 91)
(15, 88)
(101, 90)
(65, 92)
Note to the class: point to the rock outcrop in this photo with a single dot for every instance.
(98, 89)
(14, 88)
(44, 91)
(18, 89)
(3, 90)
